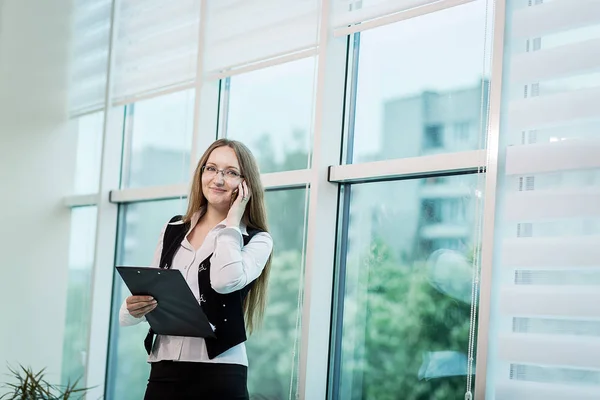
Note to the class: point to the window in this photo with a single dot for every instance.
(127, 367)
(77, 323)
(158, 135)
(407, 295)
(431, 211)
(462, 132)
(433, 137)
(422, 72)
(271, 110)
(273, 351)
(89, 150)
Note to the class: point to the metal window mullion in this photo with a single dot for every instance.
(283, 58)
(127, 152)
(411, 167)
(85, 111)
(322, 214)
(271, 181)
(351, 93)
(136, 98)
(339, 291)
(206, 99)
(224, 92)
(489, 208)
(398, 16)
(106, 227)
(81, 200)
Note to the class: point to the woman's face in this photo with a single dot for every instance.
(221, 176)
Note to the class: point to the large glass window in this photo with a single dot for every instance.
(273, 351)
(408, 273)
(89, 150)
(271, 111)
(158, 135)
(140, 225)
(77, 323)
(421, 86)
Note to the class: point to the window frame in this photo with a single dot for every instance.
(329, 178)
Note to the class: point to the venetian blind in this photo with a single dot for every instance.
(242, 32)
(89, 55)
(156, 46)
(547, 339)
(351, 12)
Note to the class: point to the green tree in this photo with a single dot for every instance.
(406, 319)
(77, 326)
(271, 349)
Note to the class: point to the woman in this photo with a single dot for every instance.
(222, 247)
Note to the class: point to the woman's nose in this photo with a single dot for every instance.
(219, 179)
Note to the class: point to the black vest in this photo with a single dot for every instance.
(224, 311)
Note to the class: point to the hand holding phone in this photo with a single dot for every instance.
(234, 196)
(239, 200)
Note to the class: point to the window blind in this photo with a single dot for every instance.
(156, 46)
(546, 339)
(242, 32)
(349, 12)
(89, 55)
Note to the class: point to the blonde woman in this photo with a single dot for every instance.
(223, 248)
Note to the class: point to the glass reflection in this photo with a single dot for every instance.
(422, 85)
(408, 283)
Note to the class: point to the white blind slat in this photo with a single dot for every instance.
(535, 112)
(565, 350)
(519, 390)
(554, 16)
(157, 46)
(89, 55)
(276, 28)
(551, 252)
(549, 157)
(348, 12)
(557, 62)
(550, 301)
(552, 204)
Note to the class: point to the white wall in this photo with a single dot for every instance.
(36, 171)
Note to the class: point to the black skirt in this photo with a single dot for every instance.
(172, 380)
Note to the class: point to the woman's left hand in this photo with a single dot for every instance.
(236, 211)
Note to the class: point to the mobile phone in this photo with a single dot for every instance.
(234, 196)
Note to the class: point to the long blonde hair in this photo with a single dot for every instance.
(255, 216)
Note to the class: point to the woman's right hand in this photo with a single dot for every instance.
(138, 306)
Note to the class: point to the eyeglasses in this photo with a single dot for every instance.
(228, 174)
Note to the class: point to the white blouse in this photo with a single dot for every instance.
(233, 266)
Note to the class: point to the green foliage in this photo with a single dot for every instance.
(394, 315)
(77, 325)
(30, 385)
(405, 317)
(271, 349)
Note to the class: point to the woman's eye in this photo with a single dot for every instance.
(211, 169)
(232, 173)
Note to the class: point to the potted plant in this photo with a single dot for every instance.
(30, 385)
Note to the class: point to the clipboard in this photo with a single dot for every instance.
(178, 312)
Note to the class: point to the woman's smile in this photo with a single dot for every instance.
(218, 190)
